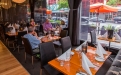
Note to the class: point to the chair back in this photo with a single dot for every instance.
(103, 32)
(41, 29)
(27, 45)
(63, 33)
(47, 52)
(65, 43)
(93, 37)
(19, 39)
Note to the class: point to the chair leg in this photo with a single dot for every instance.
(18, 48)
(6, 41)
(32, 60)
(40, 71)
(13, 45)
(25, 56)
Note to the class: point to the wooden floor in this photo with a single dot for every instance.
(9, 65)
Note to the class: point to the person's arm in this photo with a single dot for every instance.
(37, 41)
(44, 27)
(50, 27)
(35, 34)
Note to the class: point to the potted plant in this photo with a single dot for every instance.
(110, 31)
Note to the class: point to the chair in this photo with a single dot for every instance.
(63, 33)
(28, 48)
(41, 29)
(93, 38)
(65, 44)
(19, 39)
(47, 53)
(103, 32)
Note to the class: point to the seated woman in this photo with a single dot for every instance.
(32, 23)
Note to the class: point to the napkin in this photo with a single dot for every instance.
(13, 30)
(25, 29)
(100, 50)
(105, 35)
(80, 47)
(86, 63)
(56, 32)
(117, 37)
(63, 56)
(10, 25)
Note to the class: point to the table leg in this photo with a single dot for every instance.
(109, 46)
(109, 50)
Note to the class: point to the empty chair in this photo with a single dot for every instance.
(28, 48)
(65, 44)
(102, 31)
(19, 40)
(62, 34)
(93, 37)
(47, 53)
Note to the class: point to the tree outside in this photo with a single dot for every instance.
(113, 2)
(62, 4)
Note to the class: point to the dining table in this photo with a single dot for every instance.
(110, 40)
(49, 38)
(75, 63)
(12, 34)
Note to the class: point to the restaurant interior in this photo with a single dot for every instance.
(29, 46)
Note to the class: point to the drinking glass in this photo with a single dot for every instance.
(68, 57)
(61, 62)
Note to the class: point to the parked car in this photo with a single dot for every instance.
(117, 19)
(94, 19)
(84, 20)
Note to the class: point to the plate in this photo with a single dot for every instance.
(99, 59)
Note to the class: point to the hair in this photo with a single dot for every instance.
(30, 29)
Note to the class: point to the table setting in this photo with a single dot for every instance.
(87, 61)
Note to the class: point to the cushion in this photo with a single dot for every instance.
(113, 71)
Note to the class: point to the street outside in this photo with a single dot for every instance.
(107, 23)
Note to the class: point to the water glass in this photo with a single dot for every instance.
(68, 56)
(61, 62)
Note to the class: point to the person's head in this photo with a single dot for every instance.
(32, 20)
(47, 21)
(31, 29)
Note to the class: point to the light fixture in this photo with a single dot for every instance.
(18, 1)
(6, 4)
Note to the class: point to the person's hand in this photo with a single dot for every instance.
(50, 29)
(35, 34)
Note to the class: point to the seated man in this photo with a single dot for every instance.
(47, 26)
(33, 39)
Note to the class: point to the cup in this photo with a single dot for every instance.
(68, 56)
(61, 62)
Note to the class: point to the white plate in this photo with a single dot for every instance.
(99, 59)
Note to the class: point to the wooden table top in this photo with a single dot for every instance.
(75, 63)
(12, 34)
(111, 40)
(46, 39)
(9, 65)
